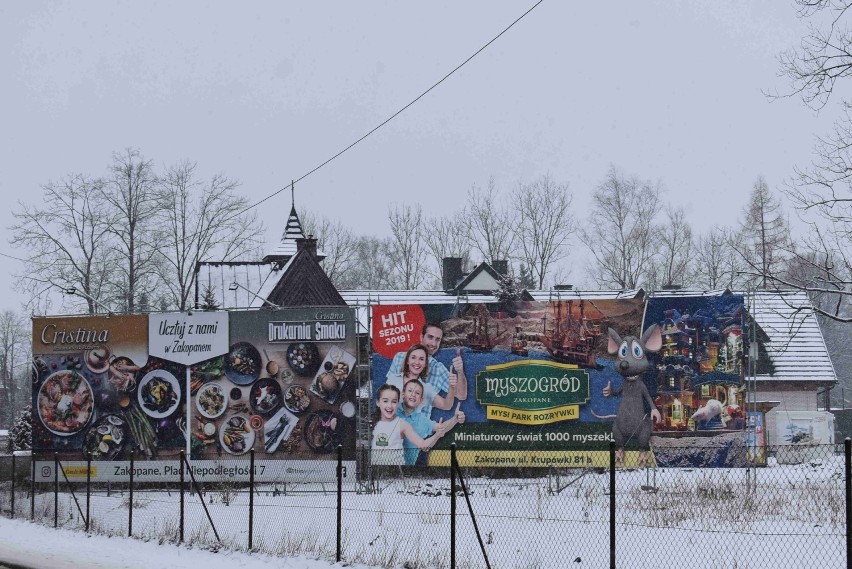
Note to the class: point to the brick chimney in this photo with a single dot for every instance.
(451, 273)
(501, 266)
(308, 243)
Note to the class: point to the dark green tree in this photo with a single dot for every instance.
(526, 278)
(21, 433)
(509, 291)
(208, 302)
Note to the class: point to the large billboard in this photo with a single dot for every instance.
(542, 384)
(213, 384)
(529, 378)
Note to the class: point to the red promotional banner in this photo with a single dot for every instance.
(396, 328)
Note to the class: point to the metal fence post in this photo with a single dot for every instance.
(339, 501)
(182, 455)
(32, 486)
(847, 448)
(130, 504)
(14, 471)
(612, 505)
(56, 489)
(251, 500)
(453, 506)
(88, 487)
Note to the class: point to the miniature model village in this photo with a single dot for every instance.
(699, 367)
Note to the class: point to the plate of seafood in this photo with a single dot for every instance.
(106, 438)
(122, 373)
(159, 394)
(65, 402)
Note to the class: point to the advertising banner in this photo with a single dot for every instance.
(519, 384)
(216, 384)
(697, 378)
(85, 372)
(286, 387)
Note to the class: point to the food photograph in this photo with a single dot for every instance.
(285, 387)
(105, 404)
(269, 396)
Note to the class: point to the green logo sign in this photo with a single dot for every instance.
(532, 385)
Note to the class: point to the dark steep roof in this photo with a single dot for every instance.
(304, 283)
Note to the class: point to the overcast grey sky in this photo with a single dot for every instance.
(266, 91)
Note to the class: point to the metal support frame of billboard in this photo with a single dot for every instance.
(364, 478)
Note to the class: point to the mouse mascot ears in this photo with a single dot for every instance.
(652, 339)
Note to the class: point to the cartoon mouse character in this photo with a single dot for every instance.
(631, 419)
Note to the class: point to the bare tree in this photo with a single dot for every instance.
(130, 193)
(544, 224)
(408, 246)
(823, 269)
(14, 344)
(446, 237)
(198, 220)
(488, 223)
(824, 55)
(717, 264)
(822, 191)
(621, 237)
(372, 269)
(674, 255)
(765, 235)
(335, 240)
(66, 240)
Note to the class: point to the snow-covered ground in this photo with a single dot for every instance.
(781, 516)
(39, 547)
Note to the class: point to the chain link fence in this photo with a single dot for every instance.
(793, 512)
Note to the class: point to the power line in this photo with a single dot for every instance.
(15, 258)
(397, 113)
(370, 132)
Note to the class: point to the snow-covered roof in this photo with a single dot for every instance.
(361, 300)
(684, 293)
(272, 278)
(796, 344)
(250, 276)
(560, 294)
(286, 248)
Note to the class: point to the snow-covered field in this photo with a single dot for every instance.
(779, 516)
